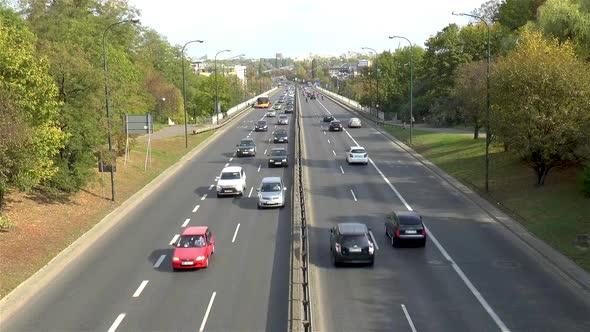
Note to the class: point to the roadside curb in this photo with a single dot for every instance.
(561, 264)
(29, 287)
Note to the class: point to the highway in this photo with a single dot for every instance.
(473, 274)
(124, 282)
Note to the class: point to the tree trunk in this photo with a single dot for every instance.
(1, 200)
(476, 132)
(541, 170)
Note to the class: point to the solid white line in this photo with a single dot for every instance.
(232, 158)
(373, 238)
(334, 153)
(207, 312)
(211, 186)
(259, 168)
(196, 208)
(235, 234)
(266, 149)
(186, 222)
(250, 194)
(140, 288)
(116, 323)
(174, 239)
(353, 196)
(409, 318)
(341, 169)
(226, 164)
(159, 261)
(391, 186)
(204, 196)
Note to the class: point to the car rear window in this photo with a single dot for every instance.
(409, 221)
(359, 240)
(278, 152)
(230, 175)
(261, 123)
(357, 151)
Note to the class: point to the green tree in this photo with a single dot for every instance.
(567, 20)
(514, 14)
(469, 92)
(545, 103)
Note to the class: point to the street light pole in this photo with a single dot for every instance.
(488, 128)
(106, 94)
(184, 91)
(376, 76)
(411, 83)
(217, 86)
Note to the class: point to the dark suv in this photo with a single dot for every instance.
(280, 136)
(261, 125)
(247, 147)
(335, 125)
(406, 226)
(351, 243)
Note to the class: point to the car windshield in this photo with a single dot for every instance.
(262, 123)
(270, 187)
(192, 241)
(360, 240)
(409, 221)
(278, 153)
(246, 143)
(357, 151)
(230, 175)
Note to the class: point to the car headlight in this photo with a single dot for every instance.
(200, 258)
(251, 150)
(175, 259)
(271, 161)
(218, 188)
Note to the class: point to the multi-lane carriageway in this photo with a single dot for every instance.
(473, 275)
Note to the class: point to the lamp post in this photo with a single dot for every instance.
(488, 129)
(376, 76)
(106, 94)
(411, 83)
(184, 91)
(217, 86)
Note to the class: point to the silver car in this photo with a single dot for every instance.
(354, 123)
(271, 192)
(283, 119)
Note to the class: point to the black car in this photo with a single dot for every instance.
(405, 226)
(261, 125)
(289, 110)
(278, 157)
(247, 147)
(280, 136)
(335, 125)
(328, 118)
(351, 243)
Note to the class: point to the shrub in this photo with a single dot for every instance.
(5, 223)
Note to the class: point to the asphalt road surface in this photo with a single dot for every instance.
(473, 274)
(125, 282)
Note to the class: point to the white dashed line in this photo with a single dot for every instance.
(116, 323)
(232, 158)
(235, 233)
(216, 178)
(334, 152)
(341, 169)
(259, 168)
(186, 222)
(226, 164)
(202, 328)
(408, 318)
(174, 239)
(211, 186)
(159, 261)
(324, 133)
(140, 288)
(353, 195)
(204, 196)
(265, 150)
(328, 141)
(250, 194)
(373, 238)
(196, 208)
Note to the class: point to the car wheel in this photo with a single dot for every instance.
(372, 262)
(422, 243)
(218, 195)
(207, 262)
(394, 241)
(334, 261)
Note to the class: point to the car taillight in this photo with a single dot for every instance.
(351, 155)
(424, 232)
(337, 247)
(365, 155)
(397, 232)
(176, 259)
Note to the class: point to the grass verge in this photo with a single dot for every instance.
(556, 212)
(53, 220)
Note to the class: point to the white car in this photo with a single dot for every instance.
(283, 120)
(271, 114)
(232, 181)
(356, 155)
(354, 123)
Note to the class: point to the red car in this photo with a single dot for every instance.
(194, 248)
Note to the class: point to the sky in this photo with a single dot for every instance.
(298, 28)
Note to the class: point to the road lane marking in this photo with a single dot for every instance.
(341, 169)
(259, 168)
(216, 178)
(140, 288)
(174, 239)
(328, 141)
(456, 267)
(353, 195)
(250, 194)
(226, 164)
(211, 186)
(373, 238)
(204, 196)
(186, 222)
(159, 261)
(334, 152)
(235, 233)
(202, 328)
(266, 149)
(116, 323)
(409, 318)
(196, 208)
(232, 158)
(324, 133)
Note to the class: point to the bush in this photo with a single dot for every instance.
(586, 180)
(5, 223)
